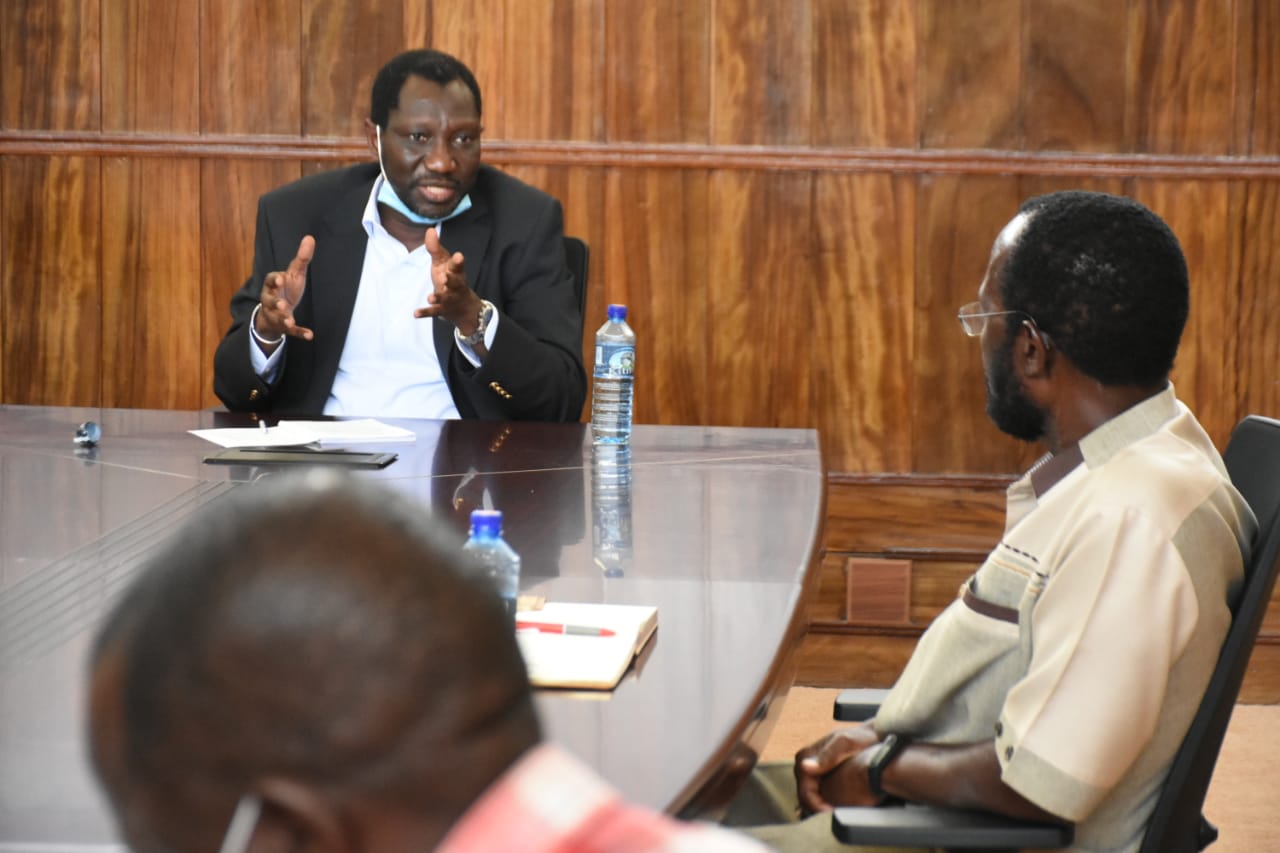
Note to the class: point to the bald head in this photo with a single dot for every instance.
(314, 643)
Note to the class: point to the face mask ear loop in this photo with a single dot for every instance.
(378, 129)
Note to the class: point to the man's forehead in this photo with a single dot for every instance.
(1010, 233)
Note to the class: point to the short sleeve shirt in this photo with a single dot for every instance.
(1085, 641)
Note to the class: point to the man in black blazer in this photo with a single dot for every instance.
(323, 325)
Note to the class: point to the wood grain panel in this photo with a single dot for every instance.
(762, 73)
(473, 32)
(51, 51)
(554, 60)
(1179, 93)
(1256, 38)
(864, 73)
(229, 191)
(52, 336)
(658, 252)
(854, 659)
(761, 305)
(1258, 344)
(958, 218)
(657, 85)
(864, 228)
(150, 66)
(971, 73)
(1199, 214)
(151, 284)
(912, 519)
(356, 38)
(1075, 54)
(251, 67)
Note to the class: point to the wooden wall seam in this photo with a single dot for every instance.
(666, 156)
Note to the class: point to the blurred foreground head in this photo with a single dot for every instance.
(310, 644)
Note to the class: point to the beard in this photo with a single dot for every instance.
(1007, 405)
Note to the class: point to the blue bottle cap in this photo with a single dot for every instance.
(617, 313)
(486, 522)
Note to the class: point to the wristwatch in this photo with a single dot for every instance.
(887, 750)
(482, 323)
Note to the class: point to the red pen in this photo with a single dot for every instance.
(556, 628)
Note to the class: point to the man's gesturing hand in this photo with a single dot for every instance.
(281, 292)
(826, 775)
(451, 299)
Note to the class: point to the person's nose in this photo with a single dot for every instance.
(439, 158)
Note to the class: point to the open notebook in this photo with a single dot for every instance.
(579, 661)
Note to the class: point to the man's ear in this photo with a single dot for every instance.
(1033, 352)
(371, 137)
(297, 817)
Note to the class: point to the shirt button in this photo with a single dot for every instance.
(1008, 753)
(999, 728)
(254, 394)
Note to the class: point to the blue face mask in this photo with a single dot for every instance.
(387, 195)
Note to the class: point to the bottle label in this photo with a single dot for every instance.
(615, 360)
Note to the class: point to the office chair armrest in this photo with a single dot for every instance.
(927, 826)
(859, 704)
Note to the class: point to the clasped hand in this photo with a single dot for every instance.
(451, 298)
(833, 771)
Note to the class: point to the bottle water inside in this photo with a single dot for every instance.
(491, 553)
(613, 388)
(611, 509)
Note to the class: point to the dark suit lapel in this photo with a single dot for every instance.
(335, 278)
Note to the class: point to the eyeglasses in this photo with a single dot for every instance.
(974, 320)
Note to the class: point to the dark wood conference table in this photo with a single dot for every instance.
(725, 529)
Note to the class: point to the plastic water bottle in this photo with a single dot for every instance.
(611, 508)
(494, 556)
(614, 380)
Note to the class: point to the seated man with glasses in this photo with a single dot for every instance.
(425, 285)
(1060, 682)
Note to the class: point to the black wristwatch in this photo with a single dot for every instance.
(887, 750)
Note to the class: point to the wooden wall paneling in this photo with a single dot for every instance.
(251, 67)
(554, 70)
(657, 81)
(913, 517)
(229, 191)
(51, 77)
(51, 292)
(1181, 84)
(865, 66)
(762, 73)
(1075, 68)
(660, 253)
(151, 284)
(1205, 373)
(474, 33)
(150, 66)
(344, 43)
(1257, 40)
(861, 329)
(1258, 361)
(760, 282)
(971, 65)
(958, 218)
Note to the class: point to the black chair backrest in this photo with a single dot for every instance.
(577, 256)
(1252, 458)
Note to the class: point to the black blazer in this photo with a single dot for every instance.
(511, 239)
